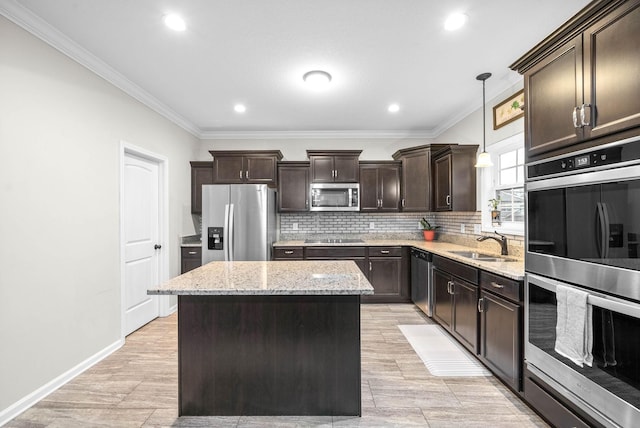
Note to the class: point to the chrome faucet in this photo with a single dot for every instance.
(502, 240)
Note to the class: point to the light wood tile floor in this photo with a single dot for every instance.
(137, 387)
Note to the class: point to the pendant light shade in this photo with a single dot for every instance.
(484, 159)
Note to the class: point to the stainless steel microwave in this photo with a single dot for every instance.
(334, 197)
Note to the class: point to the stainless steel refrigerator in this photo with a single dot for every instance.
(238, 222)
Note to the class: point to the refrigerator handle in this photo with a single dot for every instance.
(231, 232)
(226, 232)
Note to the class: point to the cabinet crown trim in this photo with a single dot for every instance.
(417, 149)
(570, 29)
(334, 152)
(276, 153)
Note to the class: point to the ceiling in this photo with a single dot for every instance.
(255, 52)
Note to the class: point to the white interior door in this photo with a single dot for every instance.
(141, 240)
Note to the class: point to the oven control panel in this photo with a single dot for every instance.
(585, 160)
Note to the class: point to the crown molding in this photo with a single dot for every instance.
(505, 82)
(310, 135)
(32, 23)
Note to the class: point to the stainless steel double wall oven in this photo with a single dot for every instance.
(583, 229)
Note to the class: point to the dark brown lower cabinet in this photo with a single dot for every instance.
(501, 309)
(500, 338)
(269, 355)
(443, 302)
(388, 274)
(387, 268)
(288, 253)
(465, 314)
(191, 258)
(456, 300)
(357, 254)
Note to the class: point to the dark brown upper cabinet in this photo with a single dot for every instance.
(454, 178)
(336, 166)
(581, 83)
(201, 173)
(245, 166)
(293, 186)
(416, 183)
(380, 186)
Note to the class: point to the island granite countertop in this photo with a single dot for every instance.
(514, 268)
(309, 277)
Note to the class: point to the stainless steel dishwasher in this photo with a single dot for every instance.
(421, 280)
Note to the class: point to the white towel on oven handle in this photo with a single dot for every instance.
(574, 327)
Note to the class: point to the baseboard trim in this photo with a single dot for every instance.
(169, 311)
(25, 403)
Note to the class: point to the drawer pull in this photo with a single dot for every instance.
(384, 251)
(193, 253)
(481, 304)
(288, 252)
(496, 285)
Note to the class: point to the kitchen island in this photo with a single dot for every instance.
(269, 338)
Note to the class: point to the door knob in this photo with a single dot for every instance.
(157, 247)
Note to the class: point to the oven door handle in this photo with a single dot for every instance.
(600, 300)
(601, 234)
(606, 235)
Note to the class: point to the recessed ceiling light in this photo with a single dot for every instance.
(174, 22)
(239, 108)
(455, 21)
(317, 79)
(393, 108)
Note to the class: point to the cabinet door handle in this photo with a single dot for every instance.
(496, 285)
(402, 202)
(384, 251)
(481, 304)
(288, 251)
(336, 173)
(575, 117)
(583, 116)
(240, 174)
(370, 267)
(246, 174)
(448, 199)
(193, 253)
(450, 287)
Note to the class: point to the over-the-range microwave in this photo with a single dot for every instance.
(334, 197)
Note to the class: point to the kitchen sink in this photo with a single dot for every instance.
(334, 241)
(481, 256)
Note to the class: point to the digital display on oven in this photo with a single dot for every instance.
(581, 161)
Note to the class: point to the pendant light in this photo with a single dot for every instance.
(484, 159)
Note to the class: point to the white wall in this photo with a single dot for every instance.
(469, 129)
(295, 149)
(60, 133)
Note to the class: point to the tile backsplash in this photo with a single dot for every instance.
(297, 226)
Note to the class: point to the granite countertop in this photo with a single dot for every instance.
(191, 244)
(191, 241)
(308, 277)
(512, 269)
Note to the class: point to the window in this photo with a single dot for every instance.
(505, 181)
(509, 186)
